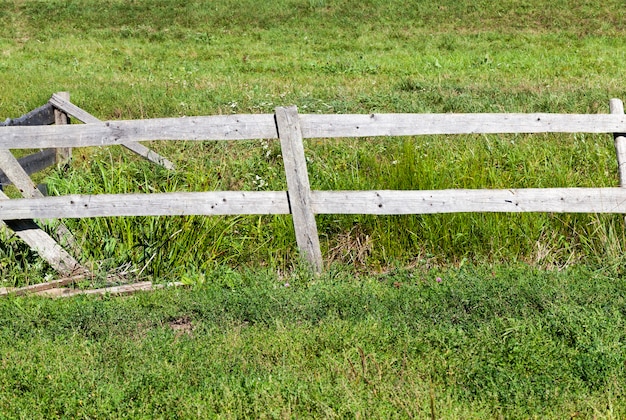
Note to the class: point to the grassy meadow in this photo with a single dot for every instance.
(527, 319)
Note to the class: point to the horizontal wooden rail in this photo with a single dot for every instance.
(230, 127)
(379, 202)
(263, 126)
(321, 126)
(142, 204)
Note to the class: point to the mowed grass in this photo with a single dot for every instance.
(487, 342)
(528, 318)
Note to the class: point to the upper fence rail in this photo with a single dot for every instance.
(263, 126)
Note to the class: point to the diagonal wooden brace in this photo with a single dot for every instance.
(29, 231)
(69, 108)
(46, 247)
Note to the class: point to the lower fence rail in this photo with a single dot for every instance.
(380, 202)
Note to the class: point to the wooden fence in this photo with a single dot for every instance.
(303, 204)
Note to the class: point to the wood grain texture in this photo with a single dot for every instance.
(33, 163)
(63, 154)
(41, 287)
(346, 125)
(556, 200)
(221, 127)
(125, 289)
(21, 180)
(262, 126)
(616, 107)
(17, 175)
(382, 202)
(66, 106)
(164, 204)
(43, 244)
(292, 150)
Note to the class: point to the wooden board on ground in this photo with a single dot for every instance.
(114, 290)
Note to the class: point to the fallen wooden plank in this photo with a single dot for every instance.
(40, 287)
(114, 290)
(82, 115)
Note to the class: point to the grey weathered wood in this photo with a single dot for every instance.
(43, 115)
(210, 203)
(63, 154)
(40, 287)
(63, 104)
(18, 176)
(320, 126)
(616, 107)
(381, 202)
(292, 150)
(113, 290)
(557, 200)
(33, 163)
(262, 126)
(40, 241)
(66, 106)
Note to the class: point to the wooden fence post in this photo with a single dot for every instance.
(299, 189)
(616, 106)
(60, 117)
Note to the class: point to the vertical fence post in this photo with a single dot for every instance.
(65, 153)
(299, 189)
(616, 106)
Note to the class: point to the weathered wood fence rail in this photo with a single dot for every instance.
(291, 128)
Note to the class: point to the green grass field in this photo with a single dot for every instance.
(528, 319)
(484, 342)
